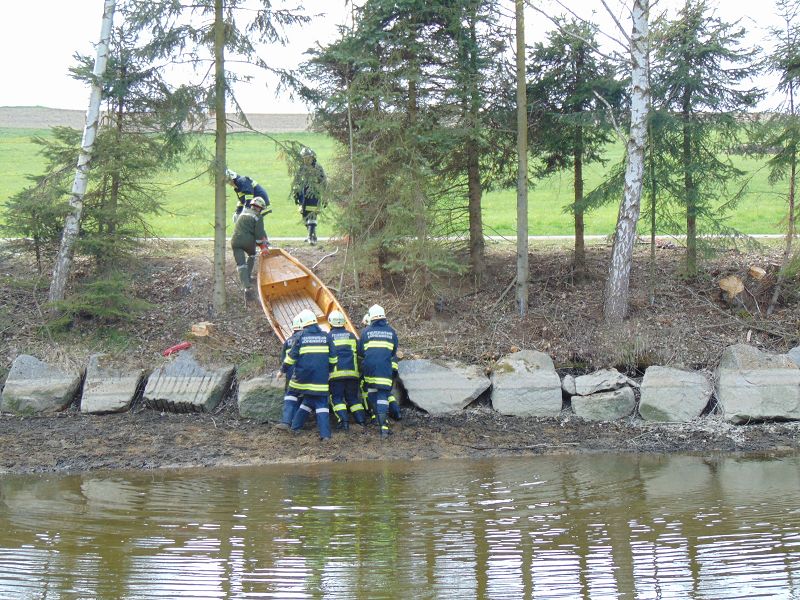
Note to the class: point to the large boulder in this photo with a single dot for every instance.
(439, 388)
(261, 398)
(755, 386)
(673, 395)
(794, 354)
(108, 388)
(604, 380)
(525, 384)
(36, 388)
(605, 406)
(183, 385)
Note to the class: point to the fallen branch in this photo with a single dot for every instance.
(334, 253)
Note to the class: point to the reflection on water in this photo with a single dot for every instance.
(542, 527)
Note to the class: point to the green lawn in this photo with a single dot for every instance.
(190, 201)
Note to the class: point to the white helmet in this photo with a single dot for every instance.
(258, 202)
(376, 312)
(336, 319)
(307, 318)
(231, 174)
(296, 326)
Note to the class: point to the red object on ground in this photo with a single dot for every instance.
(176, 348)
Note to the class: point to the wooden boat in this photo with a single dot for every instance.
(286, 286)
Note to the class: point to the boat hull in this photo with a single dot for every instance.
(286, 287)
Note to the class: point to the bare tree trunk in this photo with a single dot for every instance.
(220, 158)
(522, 169)
(476, 243)
(579, 261)
(72, 223)
(617, 288)
(792, 223)
(689, 188)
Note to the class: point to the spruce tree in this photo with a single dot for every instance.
(702, 71)
(572, 88)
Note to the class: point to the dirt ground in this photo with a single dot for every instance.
(674, 322)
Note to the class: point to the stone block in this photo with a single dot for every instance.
(109, 389)
(525, 384)
(440, 388)
(605, 406)
(673, 395)
(36, 388)
(756, 386)
(604, 380)
(183, 385)
(261, 398)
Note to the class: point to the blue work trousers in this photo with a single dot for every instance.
(318, 404)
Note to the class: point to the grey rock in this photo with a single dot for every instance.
(568, 385)
(605, 406)
(36, 388)
(794, 354)
(601, 381)
(108, 389)
(440, 388)
(525, 384)
(182, 385)
(261, 398)
(755, 386)
(673, 395)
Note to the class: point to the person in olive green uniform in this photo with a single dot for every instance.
(247, 234)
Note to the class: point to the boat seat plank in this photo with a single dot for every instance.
(277, 269)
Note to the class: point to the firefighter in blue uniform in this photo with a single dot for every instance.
(246, 189)
(290, 400)
(313, 357)
(377, 350)
(344, 379)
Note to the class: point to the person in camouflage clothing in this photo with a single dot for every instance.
(247, 234)
(307, 189)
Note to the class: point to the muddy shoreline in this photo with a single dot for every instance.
(144, 439)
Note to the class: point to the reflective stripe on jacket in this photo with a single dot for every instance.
(378, 352)
(287, 345)
(313, 357)
(346, 345)
(246, 189)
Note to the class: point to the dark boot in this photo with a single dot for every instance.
(383, 422)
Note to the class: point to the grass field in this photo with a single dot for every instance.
(190, 199)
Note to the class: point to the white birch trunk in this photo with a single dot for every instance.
(522, 168)
(72, 223)
(619, 272)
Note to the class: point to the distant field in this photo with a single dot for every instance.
(190, 198)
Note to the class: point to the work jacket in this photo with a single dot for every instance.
(377, 349)
(287, 345)
(246, 189)
(308, 185)
(346, 345)
(313, 357)
(248, 231)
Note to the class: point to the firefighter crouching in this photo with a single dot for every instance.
(377, 350)
(290, 400)
(344, 379)
(313, 357)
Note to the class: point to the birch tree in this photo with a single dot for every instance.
(617, 289)
(72, 223)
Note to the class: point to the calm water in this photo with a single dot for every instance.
(544, 527)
